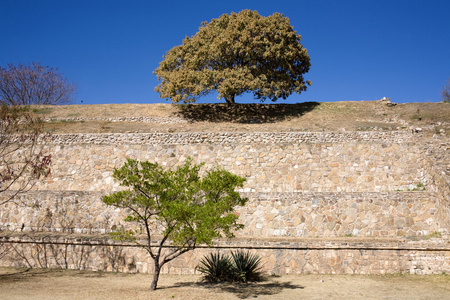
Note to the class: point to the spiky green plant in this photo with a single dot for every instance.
(246, 266)
(215, 268)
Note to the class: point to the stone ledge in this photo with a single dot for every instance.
(280, 255)
(156, 120)
(230, 138)
(334, 243)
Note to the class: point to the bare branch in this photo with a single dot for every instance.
(34, 84)
(445, 93)
(22, 158)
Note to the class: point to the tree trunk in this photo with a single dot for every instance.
(155, 276)
(230, 99)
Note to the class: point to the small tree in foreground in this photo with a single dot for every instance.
(179, 206)
(234, 54)
(22, 159)
(34, 84)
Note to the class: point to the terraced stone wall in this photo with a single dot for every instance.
(271, 162)
(438, 166)
(319, 202)
(299, 184)
(348, 255)
(265, 215)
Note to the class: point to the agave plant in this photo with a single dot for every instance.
(246, 266)
(215, 267)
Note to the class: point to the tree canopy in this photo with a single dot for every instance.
(234, 54)
(34, 84)
(177, 205)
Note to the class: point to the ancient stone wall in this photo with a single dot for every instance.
(438, 166)
(283, 162)
(280, 256)
(231, 138)
(301, 186)
(265, 215)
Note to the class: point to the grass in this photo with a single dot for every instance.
(42, 111)
(419, 187)
(306, 117)
(435, 234)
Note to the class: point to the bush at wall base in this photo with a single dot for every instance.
(240, 267)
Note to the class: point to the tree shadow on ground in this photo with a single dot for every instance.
(15, 273)
(244, 113)
(244, 291)
(24, 275)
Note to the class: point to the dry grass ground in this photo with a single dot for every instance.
(309, 116)
(70, 284)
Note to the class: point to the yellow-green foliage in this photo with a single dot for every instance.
(234, 54)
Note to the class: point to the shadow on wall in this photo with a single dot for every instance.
(44, 251)
(244, 113)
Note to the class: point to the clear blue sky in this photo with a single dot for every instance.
(359, 49)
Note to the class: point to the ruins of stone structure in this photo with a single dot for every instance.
(349, 202)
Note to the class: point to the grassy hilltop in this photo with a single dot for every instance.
(309, 116)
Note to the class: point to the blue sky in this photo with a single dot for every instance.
(359, 49)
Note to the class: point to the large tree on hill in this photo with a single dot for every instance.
(178, 206)
(34, 84)
(234, 54)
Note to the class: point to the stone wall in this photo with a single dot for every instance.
(340, 214)
(157, 120)
(265, 215)
(324, 186)
(438, 166)
(230, 138)
(272, 165)
(283, 256)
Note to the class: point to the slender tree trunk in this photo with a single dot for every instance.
(230, 99)
(155, 276)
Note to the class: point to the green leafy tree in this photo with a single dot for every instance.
(178, 206)
(234, 54)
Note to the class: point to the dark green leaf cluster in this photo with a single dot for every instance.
(235, 54)
(246, 266)
(240, 267)
(215, 268)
